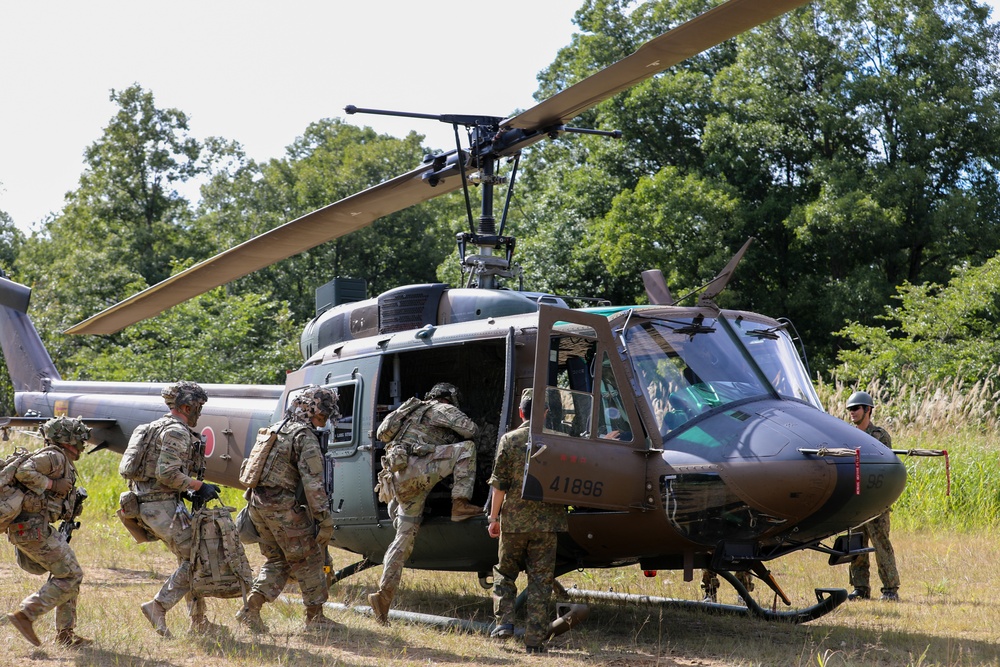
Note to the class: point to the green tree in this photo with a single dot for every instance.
(935, 333)
(330, 161)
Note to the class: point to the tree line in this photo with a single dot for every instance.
(855, 140)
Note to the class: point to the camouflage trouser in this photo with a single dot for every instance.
(710, 581)
(535, 555)
(877, 531)
(170, 521)
(413, 484)
(288, 542)
(48, 547)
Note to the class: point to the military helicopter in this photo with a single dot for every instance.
(682, 436)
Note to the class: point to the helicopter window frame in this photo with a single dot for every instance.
(336, 442)
(582, 382)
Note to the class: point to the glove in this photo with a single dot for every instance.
(61, 486)
(324, 530)
(207, 492)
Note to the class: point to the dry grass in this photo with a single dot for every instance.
(950, 615)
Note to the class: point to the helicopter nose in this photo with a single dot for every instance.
(825, 475)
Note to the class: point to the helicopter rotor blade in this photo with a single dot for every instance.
(686, 40)
(325, 224)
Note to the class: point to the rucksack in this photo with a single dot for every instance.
(11, 495)
(136, 464)
(219, 565)
(253, 465)
(390, 426)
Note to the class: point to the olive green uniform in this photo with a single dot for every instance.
(528, 532)
(877, 532)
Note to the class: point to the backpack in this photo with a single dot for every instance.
(219, 565)
(136, 464)
(11, 496)
(253, 465)
(393, 421)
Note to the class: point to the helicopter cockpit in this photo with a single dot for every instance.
(690, 366)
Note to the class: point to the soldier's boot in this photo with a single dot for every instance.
(889, 595)
(462, 509)
(380, 605)
(200, 625)
(711, 592)
(249, 615)
(25, 626)
(315, 620)
(860, 593)
(157, 617)
(66, 637)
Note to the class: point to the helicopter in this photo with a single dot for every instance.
(680, 436)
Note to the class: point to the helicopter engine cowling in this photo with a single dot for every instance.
(413, 307)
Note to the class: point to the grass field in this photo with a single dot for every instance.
(945, 546)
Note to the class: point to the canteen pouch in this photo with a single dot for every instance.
(246, 529)
(396, 458)
(129, 504)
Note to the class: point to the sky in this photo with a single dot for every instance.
(257, 72)
(254, 71)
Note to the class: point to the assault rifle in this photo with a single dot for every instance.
(69, 525)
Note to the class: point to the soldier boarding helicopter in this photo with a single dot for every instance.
(682, 436)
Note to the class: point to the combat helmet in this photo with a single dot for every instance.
(64, 431)
(183, 393)
(444, 390)
(316, 401)
(860, 398)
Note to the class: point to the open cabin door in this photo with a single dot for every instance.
(587, 445)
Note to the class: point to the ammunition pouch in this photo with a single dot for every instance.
(135, 528)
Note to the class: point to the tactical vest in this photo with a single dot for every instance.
(280, 468)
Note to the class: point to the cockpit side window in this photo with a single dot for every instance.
(580, 377)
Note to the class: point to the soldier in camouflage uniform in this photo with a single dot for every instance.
(180, 460)
(438, 439)
(293, 538)
(710, 584)
(527, 530)
(860, 406)
(49, 480)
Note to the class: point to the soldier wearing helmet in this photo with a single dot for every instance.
(293, 537)
(860, 407)
(48, 479)
(176, 458)
(434, 440)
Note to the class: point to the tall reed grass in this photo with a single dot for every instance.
(960, 418)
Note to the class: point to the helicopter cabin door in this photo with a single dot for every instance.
(587, 445)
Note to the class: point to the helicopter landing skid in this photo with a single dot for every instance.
(827, 599)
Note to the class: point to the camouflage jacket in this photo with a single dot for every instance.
(440, 424)
(49, 463)
(295, 458)
(879, 434)
(516, 514)
(180, 459)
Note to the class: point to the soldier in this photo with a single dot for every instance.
(436, 438)
(527, 530)
(860, 406)
(179, 460)
(293, 535)
(49, 479)
(710, 584)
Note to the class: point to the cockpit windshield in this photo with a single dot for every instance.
(689, 366)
